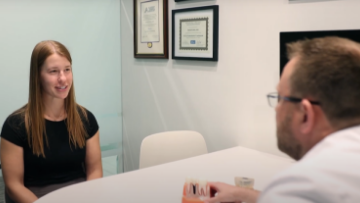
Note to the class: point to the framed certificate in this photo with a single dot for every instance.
(150, 29)
(195, 33)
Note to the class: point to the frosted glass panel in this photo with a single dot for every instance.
(91, 31)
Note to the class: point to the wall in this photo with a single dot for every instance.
(224, 101)
(91, 31)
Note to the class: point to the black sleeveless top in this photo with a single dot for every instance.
(63, 162)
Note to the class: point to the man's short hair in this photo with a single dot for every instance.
(328, 70)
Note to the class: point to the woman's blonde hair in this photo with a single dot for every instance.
(33, 111)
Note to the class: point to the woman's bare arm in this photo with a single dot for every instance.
(93, 158)
(12, 162)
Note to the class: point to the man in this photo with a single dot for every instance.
(318, 124)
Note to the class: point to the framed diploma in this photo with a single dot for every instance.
(195, 33)
(150, 29)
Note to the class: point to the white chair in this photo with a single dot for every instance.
(170, 146)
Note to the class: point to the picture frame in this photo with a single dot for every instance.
(195, 33)
(151, 29)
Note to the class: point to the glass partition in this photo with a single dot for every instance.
(91, 31)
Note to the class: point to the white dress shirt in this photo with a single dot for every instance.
(328, 173)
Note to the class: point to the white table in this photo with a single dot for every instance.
(164, 183)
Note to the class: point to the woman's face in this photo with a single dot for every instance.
(56, 77)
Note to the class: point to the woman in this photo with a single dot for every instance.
(52, 141)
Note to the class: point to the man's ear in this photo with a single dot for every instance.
(308, 116)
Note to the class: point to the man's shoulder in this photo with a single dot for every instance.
(325, 177)
(333, 163)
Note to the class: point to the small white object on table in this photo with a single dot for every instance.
(164, 183)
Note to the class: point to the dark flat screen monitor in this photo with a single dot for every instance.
(286, 37)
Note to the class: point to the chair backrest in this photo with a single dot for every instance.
(170, 146)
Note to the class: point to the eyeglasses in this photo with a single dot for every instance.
(274, 98)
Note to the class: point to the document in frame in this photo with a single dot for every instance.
(194, 35)
(150, 21)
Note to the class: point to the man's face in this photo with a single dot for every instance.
(285, 110)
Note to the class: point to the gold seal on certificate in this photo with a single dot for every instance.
(151, 29)
(194, 34)
(149, 23)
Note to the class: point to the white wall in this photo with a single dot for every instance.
(224, 101)
(91, 31)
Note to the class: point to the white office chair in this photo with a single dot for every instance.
(170, 146)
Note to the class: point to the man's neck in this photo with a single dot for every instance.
(318, 136)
